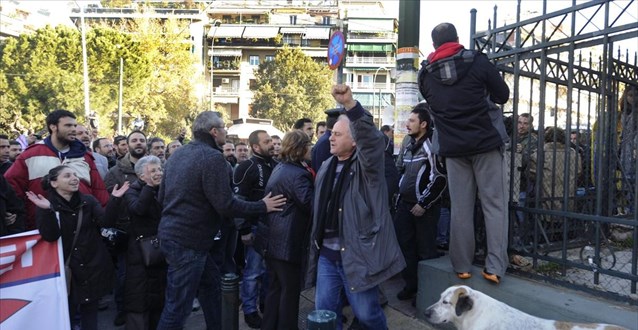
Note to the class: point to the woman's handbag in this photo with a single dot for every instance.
(150, 248)
(67, 270)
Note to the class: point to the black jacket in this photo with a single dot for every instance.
(144, 286)
(91, 266)
(124, 171)
(249, 181)
(460, 90)
(9, 202)
(286, 234)
(195, 194)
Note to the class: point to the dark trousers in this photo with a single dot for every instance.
(417, 238)
(282, 299)
(88, 314)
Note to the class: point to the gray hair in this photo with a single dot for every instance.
(143, 162)
(205, 121)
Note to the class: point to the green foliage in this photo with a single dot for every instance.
(290, 87)
(42, 72)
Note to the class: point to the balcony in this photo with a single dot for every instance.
(357, 61)
(225, 91)
(370, 87)
(372, 37)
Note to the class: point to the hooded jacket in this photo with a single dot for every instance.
(35, 162)
(461, 90)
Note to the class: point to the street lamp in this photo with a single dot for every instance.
(215, 25)
(374, 82)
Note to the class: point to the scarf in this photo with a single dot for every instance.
(330, 197)
(445, 50)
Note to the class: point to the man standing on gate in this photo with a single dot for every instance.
(353, 244)
(461, 87)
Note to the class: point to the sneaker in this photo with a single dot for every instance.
(120, 319)
(491, 277)
(406, 294)
(196, 305)
(253, 320)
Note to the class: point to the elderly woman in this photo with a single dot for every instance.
(65, 212)
(144, 286)
(287, 232)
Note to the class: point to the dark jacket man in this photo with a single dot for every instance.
(249, 181)
(468, 126)
(370, 253)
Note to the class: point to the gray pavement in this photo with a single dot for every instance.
(399, 314)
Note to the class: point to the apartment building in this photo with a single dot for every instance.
(242, 35)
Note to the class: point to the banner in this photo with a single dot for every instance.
(32, 285)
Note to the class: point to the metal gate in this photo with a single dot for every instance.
(573, 193)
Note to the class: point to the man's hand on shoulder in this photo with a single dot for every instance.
(343, 95)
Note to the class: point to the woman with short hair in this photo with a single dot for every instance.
(144, 286)
(287, 232)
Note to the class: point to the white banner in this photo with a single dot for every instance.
(32, 285)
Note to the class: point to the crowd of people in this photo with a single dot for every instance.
(286, 214)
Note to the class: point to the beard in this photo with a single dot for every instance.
(136, 154)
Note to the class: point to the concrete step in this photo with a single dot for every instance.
(532, 297)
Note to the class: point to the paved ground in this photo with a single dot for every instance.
(400, 314)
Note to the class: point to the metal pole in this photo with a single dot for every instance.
(230, 301)
(216, 24)
(85, 65)
(119, 103)
(374, 82)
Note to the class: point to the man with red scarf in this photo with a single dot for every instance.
(462, 86)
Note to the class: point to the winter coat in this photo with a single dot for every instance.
(91, 265)
(370, 253)
(10, 203)
(123, 171)
(36, 161)
(144, 287)
(460, 90)
(423, 179)
(249, 183)
(196, 196)
(285, 233)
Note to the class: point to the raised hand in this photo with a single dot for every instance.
(274, 203)
(38, 200)
(119, 192)
(343, 95)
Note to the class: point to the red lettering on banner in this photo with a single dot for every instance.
(27, 258)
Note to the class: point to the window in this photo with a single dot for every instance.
(252, 83)
(293, 19)
(253, 59)
(326, 20)
(269, 58)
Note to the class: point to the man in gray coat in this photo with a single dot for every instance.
(353, 243)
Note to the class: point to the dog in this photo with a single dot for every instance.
(471, 309)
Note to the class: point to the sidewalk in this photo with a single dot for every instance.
(399, 314)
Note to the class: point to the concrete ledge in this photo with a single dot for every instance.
(535, 298)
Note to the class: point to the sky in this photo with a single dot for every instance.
(457, 12)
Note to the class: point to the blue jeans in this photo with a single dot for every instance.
(254, 270)
(365, 305)
(190, 271)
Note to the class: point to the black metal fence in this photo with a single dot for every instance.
(573, 191)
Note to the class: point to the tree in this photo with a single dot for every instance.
(290, 87)
(42, 72)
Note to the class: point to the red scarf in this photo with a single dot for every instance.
(309, 169)
(445, 50)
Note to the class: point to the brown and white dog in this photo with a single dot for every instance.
(470, 309)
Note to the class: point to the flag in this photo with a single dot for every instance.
(32, 285)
